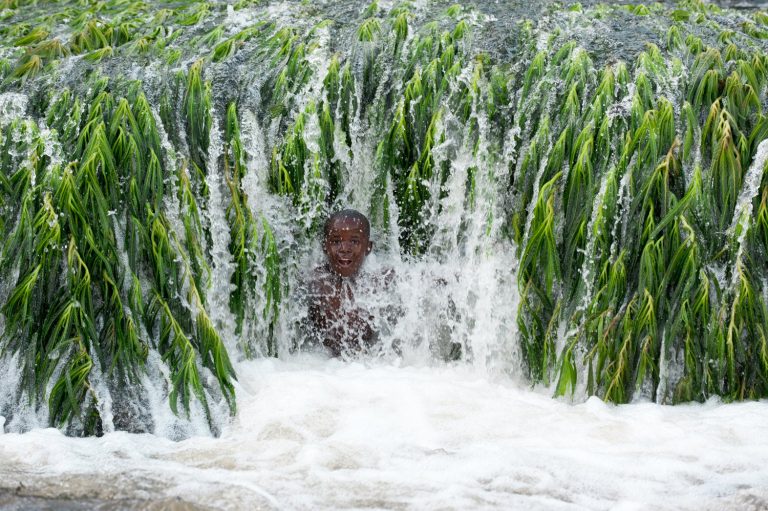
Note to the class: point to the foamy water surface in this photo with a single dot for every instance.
(317, 434)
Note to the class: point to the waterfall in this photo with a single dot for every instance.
(573, 198)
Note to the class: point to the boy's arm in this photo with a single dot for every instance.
(324, 315)
(392, 311)
(323, 301)
(360, 326)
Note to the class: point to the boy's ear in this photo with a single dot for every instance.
(370, 248)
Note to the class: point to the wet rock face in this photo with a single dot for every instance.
(33, 497)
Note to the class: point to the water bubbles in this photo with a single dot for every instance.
(13, 105)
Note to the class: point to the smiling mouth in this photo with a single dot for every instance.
(344, 262)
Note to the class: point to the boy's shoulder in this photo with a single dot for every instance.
(380, 278)
(322, 273)
(321, 279)
(388, 275)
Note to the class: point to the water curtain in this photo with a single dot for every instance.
(591, 178)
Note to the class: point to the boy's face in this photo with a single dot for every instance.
(346, 246)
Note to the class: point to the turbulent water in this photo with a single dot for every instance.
(572, 199)
(317, 434)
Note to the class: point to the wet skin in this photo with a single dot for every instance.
(342, 328)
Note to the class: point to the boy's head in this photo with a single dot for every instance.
(347, 241)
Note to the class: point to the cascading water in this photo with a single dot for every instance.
(570, 197)
(217, 221)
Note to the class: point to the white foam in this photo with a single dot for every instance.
(318, 434)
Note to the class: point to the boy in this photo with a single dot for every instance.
(335, 319)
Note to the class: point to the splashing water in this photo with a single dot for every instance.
(572, 199)
(314, 434)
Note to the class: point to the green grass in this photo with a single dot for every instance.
(619, 185)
